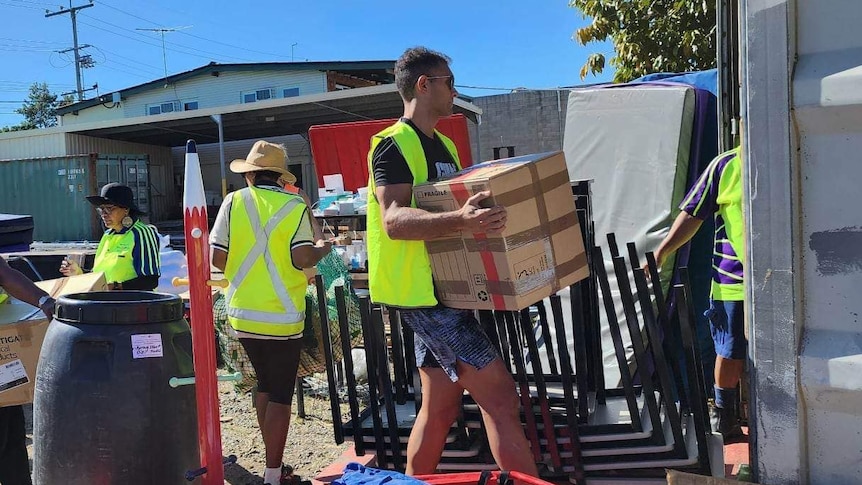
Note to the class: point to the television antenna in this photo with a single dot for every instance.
(162, 32)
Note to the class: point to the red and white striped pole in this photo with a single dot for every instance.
(203, 333)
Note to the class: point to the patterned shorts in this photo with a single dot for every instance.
(443, 336)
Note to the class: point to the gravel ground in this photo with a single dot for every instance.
(310, 443)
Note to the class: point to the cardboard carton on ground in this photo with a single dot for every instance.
(22, 329)
(541, 250)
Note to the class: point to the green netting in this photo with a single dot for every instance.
(334, 273)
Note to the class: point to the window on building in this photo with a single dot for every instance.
(166, 107)
(257, 95)
(190, 105)
(290, 92)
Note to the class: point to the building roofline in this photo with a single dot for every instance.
(311, 99)
(233, 67)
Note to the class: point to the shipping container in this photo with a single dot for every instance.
(54, 189)
(164, 200)
(130, 170)
(298, 153)
(343, 147)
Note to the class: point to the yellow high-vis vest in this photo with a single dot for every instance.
(121, 259)
(399, 272)
(266, 295)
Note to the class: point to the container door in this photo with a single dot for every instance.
(130, 170)
(53, 191)
(138, 178)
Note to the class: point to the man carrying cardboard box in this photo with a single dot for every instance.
(452, 351)
(14, 464)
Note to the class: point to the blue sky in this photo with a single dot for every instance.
(493, 44)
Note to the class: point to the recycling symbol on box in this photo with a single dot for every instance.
(483, 295)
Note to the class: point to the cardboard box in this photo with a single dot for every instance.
(22, 330)
(541, 250)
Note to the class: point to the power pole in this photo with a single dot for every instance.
(72, 11)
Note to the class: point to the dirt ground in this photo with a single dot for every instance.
(310, 443)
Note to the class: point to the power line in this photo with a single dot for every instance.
(41, 4)
(207, 57)
(152, 70)
(213, 41)
(20, 6)
(210, 55)
(28, 41)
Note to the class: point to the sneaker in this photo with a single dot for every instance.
(288, 478)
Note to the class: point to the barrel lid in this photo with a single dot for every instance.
(119, 308)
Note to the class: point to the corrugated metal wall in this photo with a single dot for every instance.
(32, 145)
(165, 200)
(297, 150)
(54, 195)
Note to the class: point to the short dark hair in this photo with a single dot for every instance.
(415, 62)
(266, 175)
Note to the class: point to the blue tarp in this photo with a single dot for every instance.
(706, 80)
(356, 474)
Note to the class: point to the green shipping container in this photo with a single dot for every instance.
(53, 190)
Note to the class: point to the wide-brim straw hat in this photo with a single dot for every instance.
(264, 156)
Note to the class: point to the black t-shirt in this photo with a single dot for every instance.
(390, 166)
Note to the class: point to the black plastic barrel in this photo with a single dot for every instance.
(104, 412)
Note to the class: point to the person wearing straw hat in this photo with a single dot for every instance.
(128, 253)
(261, 239)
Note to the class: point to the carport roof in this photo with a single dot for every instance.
(285, 116)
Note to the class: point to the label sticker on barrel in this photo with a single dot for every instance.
(12, 375)
(146, 345)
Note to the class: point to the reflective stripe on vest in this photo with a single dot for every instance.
(286, 317)
(399, 271)
(115, 256)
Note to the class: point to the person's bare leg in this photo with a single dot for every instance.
(274, 430)
(441, 403)
(261, 399)
(728, 372)
(494, 390)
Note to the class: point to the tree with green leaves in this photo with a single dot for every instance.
(649, 36)
(40, 108)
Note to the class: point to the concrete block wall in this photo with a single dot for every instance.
(531, 121)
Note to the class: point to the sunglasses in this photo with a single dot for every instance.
(450, 80)
(106, 209)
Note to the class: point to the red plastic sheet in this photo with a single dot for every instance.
(343, 147)
(477, 478)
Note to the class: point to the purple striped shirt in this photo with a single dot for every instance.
(711, 196)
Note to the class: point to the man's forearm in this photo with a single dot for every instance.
(684, 227)
(17, 285)
(408, 223)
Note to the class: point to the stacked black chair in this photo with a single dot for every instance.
(578, 428)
